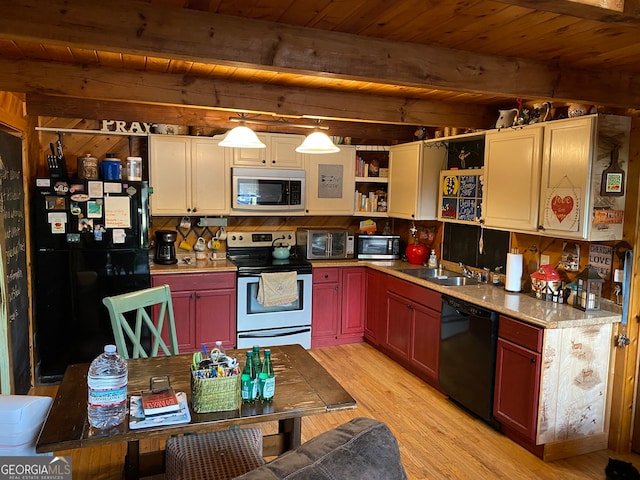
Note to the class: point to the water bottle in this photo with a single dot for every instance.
(107, 381)
(248, 380)
(267, 378)
(218, 352)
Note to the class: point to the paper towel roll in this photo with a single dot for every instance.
(513, 280)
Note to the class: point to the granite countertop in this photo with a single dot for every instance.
(522, 306)
(220, 264)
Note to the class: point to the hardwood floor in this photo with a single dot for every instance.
(437, 439)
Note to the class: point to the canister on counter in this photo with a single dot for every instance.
(133, 170)
(110, 167)
(88, 167)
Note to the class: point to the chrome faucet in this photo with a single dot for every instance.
(465, 271)
(483, 277)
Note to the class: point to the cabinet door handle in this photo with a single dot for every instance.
(273, 162)
(409, 306)
(335, 288)
(533, 359)
(264, 161)
(197, 297)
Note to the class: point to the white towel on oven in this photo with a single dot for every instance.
(279, 288)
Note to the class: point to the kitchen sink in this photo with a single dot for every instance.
(429, 273)
(454, 281)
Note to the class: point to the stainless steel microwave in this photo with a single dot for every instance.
(325, 244)
(378, 247)
(267, 189)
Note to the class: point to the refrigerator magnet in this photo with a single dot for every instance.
(85, 225)
(95, 189)
(94, 209)
(75, 209)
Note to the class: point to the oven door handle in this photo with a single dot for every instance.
(269, 335)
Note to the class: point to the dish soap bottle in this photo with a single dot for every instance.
(433, 261)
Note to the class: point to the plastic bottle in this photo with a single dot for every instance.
(219, 351)
(433, 261)
(107, 389)
(267, 378)
(248, 380)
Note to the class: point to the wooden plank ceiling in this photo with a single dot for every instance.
(415, 62)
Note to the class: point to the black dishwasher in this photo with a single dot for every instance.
(468, 339)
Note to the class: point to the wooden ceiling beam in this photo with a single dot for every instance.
(102, 83)
(67, 107)
(628, 15)
(153, 30)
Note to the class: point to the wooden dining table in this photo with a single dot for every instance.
(303, 387)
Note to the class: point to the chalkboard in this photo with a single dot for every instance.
(14, 246)
(460, 244)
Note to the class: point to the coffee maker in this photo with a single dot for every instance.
(166, 247)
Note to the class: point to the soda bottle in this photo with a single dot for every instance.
(248, 380)
(267, 378)
(107, 389)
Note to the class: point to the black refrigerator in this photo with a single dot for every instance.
(91, 241)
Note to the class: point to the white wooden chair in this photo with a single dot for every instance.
(138, 301)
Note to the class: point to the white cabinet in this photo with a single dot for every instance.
(189, 175)
(512, 178)
(330, 182)
(280, 152)
(546, 178)
(414, 173)
(575, 154)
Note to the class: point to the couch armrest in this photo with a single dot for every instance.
(360, 449)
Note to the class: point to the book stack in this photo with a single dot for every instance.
(138, 418)
(367, 202)
(154, 403)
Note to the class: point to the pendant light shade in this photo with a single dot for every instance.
(242, 137)
(317, 142)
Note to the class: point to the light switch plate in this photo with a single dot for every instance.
(544, 259)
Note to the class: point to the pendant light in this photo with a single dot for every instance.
(317, 142)
(241, 137)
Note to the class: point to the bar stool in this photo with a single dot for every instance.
(217, 455)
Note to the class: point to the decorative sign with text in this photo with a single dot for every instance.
(600, 258)
(120, 126)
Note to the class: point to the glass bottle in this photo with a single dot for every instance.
(257, 362)
(267, 378)
(257, 367)
(248, 380)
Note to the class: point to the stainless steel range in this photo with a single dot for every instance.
(269, 325)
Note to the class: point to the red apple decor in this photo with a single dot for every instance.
(416, 253)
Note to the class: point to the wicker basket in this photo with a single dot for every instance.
(215, 394)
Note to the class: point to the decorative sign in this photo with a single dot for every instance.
(461, 195)
(608, 217)
(562, 210)
(330, 181)
(121, 126)
(601, 258)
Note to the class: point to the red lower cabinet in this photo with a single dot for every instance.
(517, 385)
(411, 326)
(204, 307)
(338, 305)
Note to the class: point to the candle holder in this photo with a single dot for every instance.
(589, 289)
